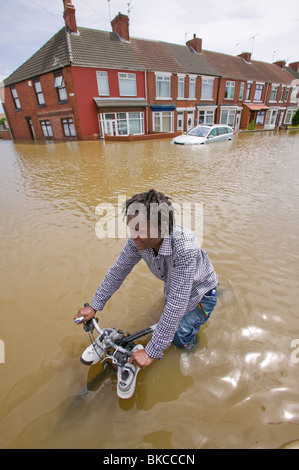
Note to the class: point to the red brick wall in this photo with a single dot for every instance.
(53, 111)
(86, 89)
(180, 103)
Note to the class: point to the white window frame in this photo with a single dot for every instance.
(242, 89)
(15, 98)
(160, 115)
(192, 87)
(39, 93)
(117, 120)
(248, 91)
(46, 128)
(289, 114)
(68, 127)
(181, 86)
(59, 84)
(208, 84)
(258, 92)
(271, 117)
(281, 93)
(274, 90)
(229, 90)
(123, 78)
(230, 112)
(162, 77)
(293, 97)
(208, 115)
(102, 76)
(260, 117)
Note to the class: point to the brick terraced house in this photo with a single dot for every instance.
(89, 84)
(252, 94)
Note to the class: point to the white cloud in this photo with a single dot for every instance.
(25, 25)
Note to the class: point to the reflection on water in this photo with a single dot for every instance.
(239, 388)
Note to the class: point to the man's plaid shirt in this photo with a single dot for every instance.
(185, 270)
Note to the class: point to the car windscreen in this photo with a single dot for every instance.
(199, 131)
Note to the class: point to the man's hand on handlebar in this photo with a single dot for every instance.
(141, 359)
(87, 312)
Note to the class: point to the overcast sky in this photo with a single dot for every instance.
(269, 28)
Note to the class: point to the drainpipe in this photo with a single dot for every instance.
(146, 109)
(217, 100)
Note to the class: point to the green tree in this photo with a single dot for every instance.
(295, 120)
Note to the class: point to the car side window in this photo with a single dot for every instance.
(213, 132)
(221, 130)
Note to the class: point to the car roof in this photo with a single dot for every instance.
(212, 125)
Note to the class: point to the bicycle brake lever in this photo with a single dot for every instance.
(88, 325)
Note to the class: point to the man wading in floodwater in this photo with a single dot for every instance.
(174, 255)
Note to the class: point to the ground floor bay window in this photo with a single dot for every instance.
(122, 123)
(206, 115)
(290, 113)
(227, 116)
(163, 121)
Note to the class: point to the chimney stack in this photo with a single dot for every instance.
(280, 63)
(69, 15)
(120, 26)
(195, 44)
(295, 66)
(246, 56)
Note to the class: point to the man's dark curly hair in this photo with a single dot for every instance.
(154, 200)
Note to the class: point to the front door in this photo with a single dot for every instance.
(190, 120)
(31, 128)
(110, 126)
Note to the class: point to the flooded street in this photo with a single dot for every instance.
(239, 388)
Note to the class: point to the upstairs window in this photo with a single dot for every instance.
(258, 92)
(181, 86)
(127, 84)
(15, 98)
(60, 87)
(192, 86)
(163, 86)
(103, 85)
(39, 93)
(281, 93)
(229, 90)
(242, 86)
(248, 90)
(273, 93)
(207, 88)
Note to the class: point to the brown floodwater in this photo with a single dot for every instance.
(239, 387)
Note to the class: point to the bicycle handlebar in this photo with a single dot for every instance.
(108, 335)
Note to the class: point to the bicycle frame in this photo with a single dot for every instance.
(111, 344)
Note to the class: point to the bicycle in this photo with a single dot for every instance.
(114, 346)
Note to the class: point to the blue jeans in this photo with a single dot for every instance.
(192, 321)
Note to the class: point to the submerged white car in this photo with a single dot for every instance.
(205, 134)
